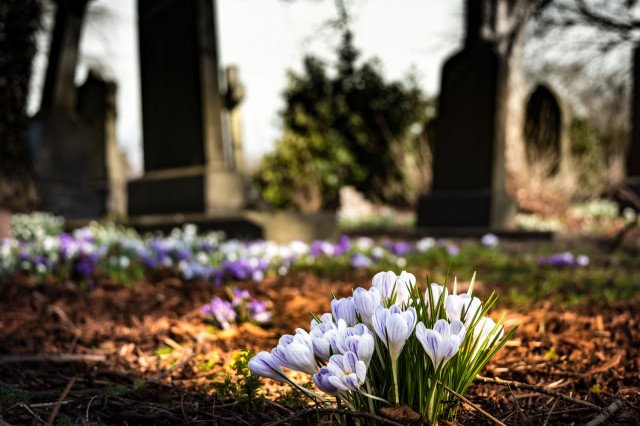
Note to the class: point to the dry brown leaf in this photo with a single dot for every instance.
(400, 413)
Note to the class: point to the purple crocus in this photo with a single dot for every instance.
(361, 261)
(221, 310)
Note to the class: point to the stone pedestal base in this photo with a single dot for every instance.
(285, 226)
(465, 209)
(186, 191)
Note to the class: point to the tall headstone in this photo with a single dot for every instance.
(547, 130)
(468, 160)
(62, 142)
(632, 179)
(108, 173)
(184, 157)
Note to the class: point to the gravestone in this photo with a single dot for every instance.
(547, 130)
(468, 160)
(108, 169)
(632, 180)
(184, 157)
(62, 142)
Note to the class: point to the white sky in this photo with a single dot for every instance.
(265, 38)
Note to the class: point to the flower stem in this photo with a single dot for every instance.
(371, 407)
(394, 370)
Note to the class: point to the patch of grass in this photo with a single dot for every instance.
(11, 397)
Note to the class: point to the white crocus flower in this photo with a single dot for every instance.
(404, 288)
(344, 309)
(385, 282)
(394, 327)
(347, 371)
(462, 307)
(296, 352)
(485, 330)
(366, 303)
(265, 365)
(443, 342)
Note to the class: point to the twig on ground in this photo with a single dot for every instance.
(608, 412)
(86, 414)
(474, 406)
(342, 412)
(546, 421)
(17, 359)
(539, 389)
(30, 411)
(63, 395)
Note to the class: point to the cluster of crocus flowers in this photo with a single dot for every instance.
(393, 343)
(241, 308)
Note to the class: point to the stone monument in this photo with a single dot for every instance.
(629, 196)
(186, 170)
(63, 143)
(547, 130)
(468, 189)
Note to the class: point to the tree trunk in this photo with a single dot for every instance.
(19, 20)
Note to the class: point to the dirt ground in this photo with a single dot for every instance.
(144, 355)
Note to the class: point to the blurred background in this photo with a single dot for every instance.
(226, 113)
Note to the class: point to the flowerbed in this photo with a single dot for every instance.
(421, 350)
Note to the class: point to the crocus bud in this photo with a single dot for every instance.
(366, 303)
(385, 282)
(344, 309)
(463, 307)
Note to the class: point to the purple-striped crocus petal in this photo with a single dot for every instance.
(298, 357)
(457, 328)
(366, 303)
(431, 342)
(385, 282)
(344, 309)
(397, 335)
(321, 379)
(379, 322)
(264, 364)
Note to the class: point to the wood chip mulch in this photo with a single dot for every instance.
(144, 355)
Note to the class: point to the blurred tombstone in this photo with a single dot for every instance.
(547, 130)
(108, 170)
(468, 188)
(184, 157)
(233, 99)
(62, 141)
(631, 198)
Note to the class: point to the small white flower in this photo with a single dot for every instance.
(441, 343)
(366, 303)
(347, 371)
(296, 352)
(394, 327)
(344, 309)
(462, 307)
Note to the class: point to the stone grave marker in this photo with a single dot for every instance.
(468, 160)
(184, 157)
